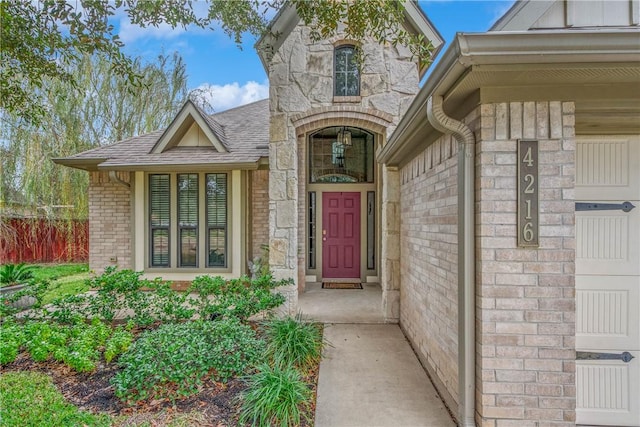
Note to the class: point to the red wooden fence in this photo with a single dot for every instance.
(39, 240)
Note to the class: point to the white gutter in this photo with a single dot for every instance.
(526, 47)
(466, 256)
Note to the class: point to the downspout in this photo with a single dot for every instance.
(113, 177)
(466, 255)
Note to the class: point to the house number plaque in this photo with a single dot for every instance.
(528, 194)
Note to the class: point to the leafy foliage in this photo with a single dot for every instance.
(241, 298)
(276, 396)
(381, 20)
(294, 342)
(12, 274)
(122, 294)
(175, 358)
(79, 345)
(44, 40)
(35, 401)
(100, 110)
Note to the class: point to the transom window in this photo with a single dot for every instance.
(341, 154)
(347, 74)
(197, 230)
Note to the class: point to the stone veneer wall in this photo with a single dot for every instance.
(259, 211)
(525, 333)
(429, 262)
(301, 81)
(109, 222)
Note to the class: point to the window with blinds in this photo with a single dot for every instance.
(178, 219)
(216, 221)
(159, 219)
(188, 220)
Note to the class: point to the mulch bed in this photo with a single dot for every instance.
(216, 405)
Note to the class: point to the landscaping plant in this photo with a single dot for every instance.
(276, 396)
(240, 298)
(79, 346)
(14, 274)
(124, 295)
(290, 341)
(174, 359)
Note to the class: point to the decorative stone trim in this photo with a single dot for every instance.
(343, 115)
(347, 99)
(345, 42)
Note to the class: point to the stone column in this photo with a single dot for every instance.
(283, 208)
(390, 245)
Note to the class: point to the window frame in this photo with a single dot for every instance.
(174, 229)
(336, 51)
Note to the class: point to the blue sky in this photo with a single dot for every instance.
(234, 77)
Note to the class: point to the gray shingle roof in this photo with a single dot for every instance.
(244, 131)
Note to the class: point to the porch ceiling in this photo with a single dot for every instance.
(607, 96)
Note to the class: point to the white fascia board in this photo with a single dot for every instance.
(505, 48)
(188, 110)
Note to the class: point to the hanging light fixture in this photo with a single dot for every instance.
(344, 137)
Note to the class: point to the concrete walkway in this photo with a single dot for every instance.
(369, 376)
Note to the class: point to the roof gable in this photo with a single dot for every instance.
(527, 15)
(287, 18)
(191, 128)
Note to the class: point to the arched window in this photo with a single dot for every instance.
(347, 75)
(341, 154)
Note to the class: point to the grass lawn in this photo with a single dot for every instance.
(66, 279)
(34, 401)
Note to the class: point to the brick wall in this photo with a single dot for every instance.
(429, 263)
(525, 297)
(109, 222)
(259, 211)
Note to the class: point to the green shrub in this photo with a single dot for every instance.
(13, 274)
(12, 340)
(276, 396)
(34, 401)
(241, 298)
(175, 358)
(122, 294)
(79, 345)
(293, 342)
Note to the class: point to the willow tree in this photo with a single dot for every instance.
(100, 108)
(46, 39)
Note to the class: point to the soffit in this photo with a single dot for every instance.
(607, 96)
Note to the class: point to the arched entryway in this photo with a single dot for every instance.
(341, 192)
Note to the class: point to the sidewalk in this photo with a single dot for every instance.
(371, 377)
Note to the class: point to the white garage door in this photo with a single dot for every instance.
(608, 281)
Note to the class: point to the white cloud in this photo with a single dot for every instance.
(223, 97)
(131, 32)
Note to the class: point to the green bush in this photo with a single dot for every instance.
(293, 342)
(79, 345)
(122, 294)
(241, 298)
(34, 401)
(11, 342)
(13, 274)
(276, 396)
(175, 358)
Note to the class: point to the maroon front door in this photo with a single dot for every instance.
(341, 235)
